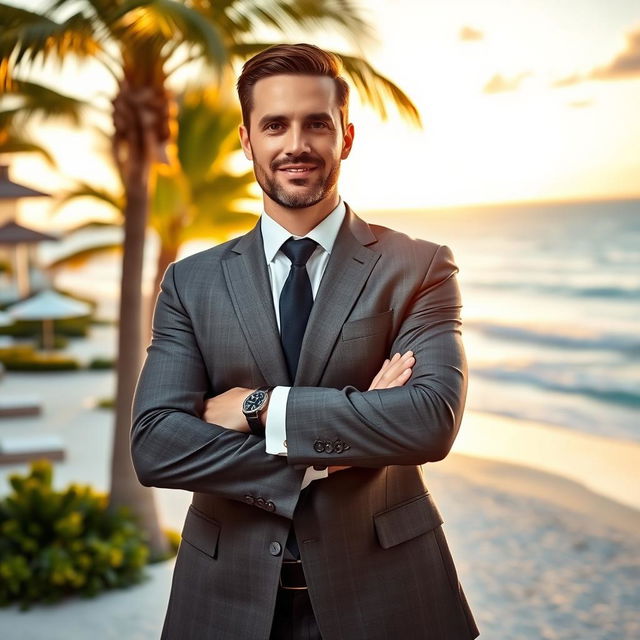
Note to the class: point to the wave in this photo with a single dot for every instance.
(598, 385)
(606, 292)
(629, 345)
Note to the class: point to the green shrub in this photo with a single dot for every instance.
(101, 363)
(106, 403)
(24, 358)
(42, 364)
(71, 327)
(56, 543)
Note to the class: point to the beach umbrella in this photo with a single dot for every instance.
(21, 238)
(48, 306)
(11, 233)
(10, 190)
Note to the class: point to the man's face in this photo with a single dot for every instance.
(296, 140)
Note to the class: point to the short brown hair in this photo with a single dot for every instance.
(303, 59)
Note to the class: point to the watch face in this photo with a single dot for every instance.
(254, 401)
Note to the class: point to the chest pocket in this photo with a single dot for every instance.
(369, 326)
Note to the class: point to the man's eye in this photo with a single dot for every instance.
(319, 124)
(274, 126)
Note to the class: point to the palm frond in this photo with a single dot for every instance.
(375, 89)
(91, 225)
(12, 16)
(45, 39)
(207, 132)
(36, 99)
(239, 18)
(86, 190)
(80, 257)
(169, 21)
(15, 143)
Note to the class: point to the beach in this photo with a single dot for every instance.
(540, 556)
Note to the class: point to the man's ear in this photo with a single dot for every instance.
(244, 141)
(347, 141)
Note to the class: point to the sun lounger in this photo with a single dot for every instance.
(14, 450)
(23, 405)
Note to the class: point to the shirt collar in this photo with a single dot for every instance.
(324, 233)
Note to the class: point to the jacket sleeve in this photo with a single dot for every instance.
(411, 424)
(172, 447)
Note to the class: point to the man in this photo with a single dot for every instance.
(297, 378)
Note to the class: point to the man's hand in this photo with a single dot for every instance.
(225, 410)
(394, 373)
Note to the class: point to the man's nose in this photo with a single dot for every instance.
(296, 141)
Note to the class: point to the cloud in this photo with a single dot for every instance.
(568, 81)
(500, 84)
(580, 104)
(624, 65)
(469, 34)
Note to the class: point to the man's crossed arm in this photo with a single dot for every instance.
(225, 409)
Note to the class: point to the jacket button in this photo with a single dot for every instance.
(275, 548)
(338, 446)
(249, 499)
(328, 446)
(260, 501)
(271, 506)
(318, 446)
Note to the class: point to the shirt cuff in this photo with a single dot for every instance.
(275, 433)
(311, 474)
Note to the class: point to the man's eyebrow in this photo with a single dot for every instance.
(323, 115)
(269, 117)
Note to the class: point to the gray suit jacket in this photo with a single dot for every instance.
(373, 550)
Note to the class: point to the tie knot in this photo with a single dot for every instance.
(299, 251)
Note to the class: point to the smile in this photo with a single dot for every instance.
(298, 170)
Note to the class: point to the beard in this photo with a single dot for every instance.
(295, 199)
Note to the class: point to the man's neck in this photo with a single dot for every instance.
(300, 221)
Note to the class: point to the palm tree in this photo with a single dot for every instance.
(142, 43)
(195, 196)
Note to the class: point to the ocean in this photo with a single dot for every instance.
(551, 306)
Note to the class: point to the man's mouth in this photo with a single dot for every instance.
(297, 170)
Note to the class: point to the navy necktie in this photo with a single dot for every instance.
(296, 301)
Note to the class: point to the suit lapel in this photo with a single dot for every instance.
(347, 270)
(349, 266)
(248, 281)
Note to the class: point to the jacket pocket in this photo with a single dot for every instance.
(369, 326)
(201, 532)
(406, 520)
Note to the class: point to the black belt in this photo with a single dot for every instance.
(292, 575)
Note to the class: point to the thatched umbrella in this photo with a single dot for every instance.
(48, 306)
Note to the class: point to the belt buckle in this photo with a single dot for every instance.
(280, 576)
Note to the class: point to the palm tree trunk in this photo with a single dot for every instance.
(125, 488)
(166, 256)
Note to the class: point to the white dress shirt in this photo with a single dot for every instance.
(273, 237)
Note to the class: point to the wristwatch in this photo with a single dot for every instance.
(253, 406)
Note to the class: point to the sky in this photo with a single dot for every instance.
(522, 100)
